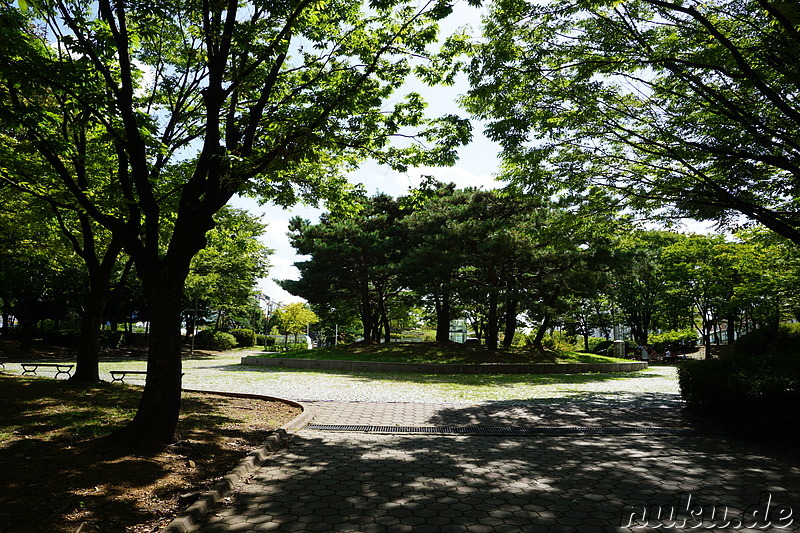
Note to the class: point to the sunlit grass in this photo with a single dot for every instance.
(425, 353)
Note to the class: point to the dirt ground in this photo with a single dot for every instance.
(57, 475)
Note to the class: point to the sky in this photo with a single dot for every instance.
(477, 165)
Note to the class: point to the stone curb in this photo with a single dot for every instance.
(191, 517)
(445, 368)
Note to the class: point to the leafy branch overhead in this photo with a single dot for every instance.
(693, 104)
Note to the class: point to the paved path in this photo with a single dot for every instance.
(385, 482)
(382, 481)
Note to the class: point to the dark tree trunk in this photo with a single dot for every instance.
(491, 322)
(156, 419)
(88, 357)
(511, 321)
(543, 327)
(6, 318)
(27, 327)
(442, 303)
(387, 333)
(366, 313)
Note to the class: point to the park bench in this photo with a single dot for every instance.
(119, 375)
(61, 368)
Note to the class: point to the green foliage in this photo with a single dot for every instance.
(294, 318)
(669, 102)
(214, 340)
(289, 347)
(756, 394)
(244, 337)
(763, 342)
(674, 340)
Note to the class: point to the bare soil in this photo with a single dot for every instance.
(57, 474)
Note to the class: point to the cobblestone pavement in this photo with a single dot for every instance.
(382, 481)
(370, 482)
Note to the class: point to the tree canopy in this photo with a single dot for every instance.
(184, 104)
(686, 107)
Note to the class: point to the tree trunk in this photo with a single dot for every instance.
(491, 325)
(442, 303)
(6, 318)
(537, 340)
(88, 357)
(156, 419)
(511, 321)
(387, 332)
(366, 312)
(27, 326)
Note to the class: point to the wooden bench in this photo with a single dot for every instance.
(119, 375)
(61, 368)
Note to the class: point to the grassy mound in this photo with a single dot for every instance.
(432, 352)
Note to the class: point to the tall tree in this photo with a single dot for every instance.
(201, 101)
(354, 261)
(689, 102)
(224, 274)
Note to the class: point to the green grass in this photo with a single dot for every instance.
(430, 352)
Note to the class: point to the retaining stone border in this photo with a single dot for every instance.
(434, 368)
(194, 514)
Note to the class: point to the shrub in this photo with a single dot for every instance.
(67, 338)
(269, 341)
(681, 339)
(244, 337)
(764, 341)
(757, 394)
(112, 339)
(214, 340)
(291, 347)
(261, 339)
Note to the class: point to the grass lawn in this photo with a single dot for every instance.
(57, 475)
(431, 352)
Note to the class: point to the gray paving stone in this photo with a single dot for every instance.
(371, 482)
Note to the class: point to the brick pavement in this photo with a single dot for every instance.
(349, 481)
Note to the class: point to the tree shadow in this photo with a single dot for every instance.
(58, 471)
(356, 481)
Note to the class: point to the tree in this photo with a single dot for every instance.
(354, 261)
(687, 102)
(294, 318)
(199, 102)
(40, 276)
(224, 274)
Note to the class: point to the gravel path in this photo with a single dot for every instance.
(655, 387)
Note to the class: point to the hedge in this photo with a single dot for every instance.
(755, 394)
(214, 340)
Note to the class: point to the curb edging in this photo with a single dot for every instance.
(190, 518)
(443, 368)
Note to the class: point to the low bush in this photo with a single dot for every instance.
(214, 340)
(682, 340)
(66, 338)
(290, 347)
(756, 394)
(113, 339)
(766, 341)
(244, 337)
